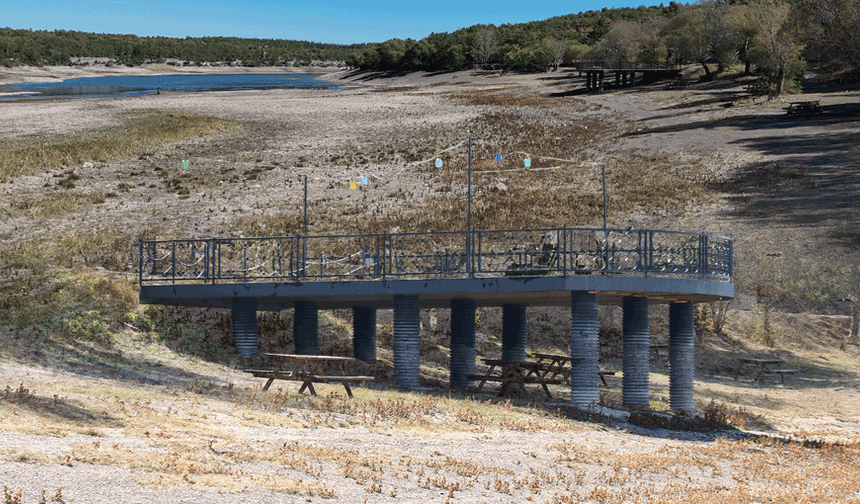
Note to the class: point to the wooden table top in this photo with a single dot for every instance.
(761, 361)
(556, 357)
(309, 358)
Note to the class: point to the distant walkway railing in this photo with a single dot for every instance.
(494, 253)
(623, 65)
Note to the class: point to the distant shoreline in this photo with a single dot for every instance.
(33, 74)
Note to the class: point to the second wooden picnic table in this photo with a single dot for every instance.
(515, 374)
(309, 369)
(547, 369)
(560, 365)
(763, 367)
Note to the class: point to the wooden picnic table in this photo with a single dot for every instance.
(803, 108)
(548, 369)
(763, 367)
(559, 365)
(309, 369)
(656, 347)
(515, 374)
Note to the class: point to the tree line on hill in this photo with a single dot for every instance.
(774, 38)
(62, 47)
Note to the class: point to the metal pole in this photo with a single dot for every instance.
(305, 233)
(469, 217)
(605, 231)
(604, 199)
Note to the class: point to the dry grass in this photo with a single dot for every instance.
(143, 132)
(205, 436)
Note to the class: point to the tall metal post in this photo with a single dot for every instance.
(302, 263)
(469, 217)
(306, 206)
(605, 230)
(604, 199)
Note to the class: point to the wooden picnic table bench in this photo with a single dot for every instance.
(803, 108)
(763, 367)
(309, 369)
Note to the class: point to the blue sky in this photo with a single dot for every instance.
(333, 21)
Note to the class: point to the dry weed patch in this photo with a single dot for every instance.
(143, 132)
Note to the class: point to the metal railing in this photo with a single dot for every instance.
(494, 253)
(624, 65)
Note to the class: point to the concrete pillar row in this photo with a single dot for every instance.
(407, 341)
(682, 355)
(364, 333)
(514, 333)
(462, 342)
(245, 326)
(584, 349)
(305, 327)
(636, 346)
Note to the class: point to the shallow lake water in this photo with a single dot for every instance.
(129, 85)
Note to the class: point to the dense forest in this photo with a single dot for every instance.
(776, 39)
(61, 47)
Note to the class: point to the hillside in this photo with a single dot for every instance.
(100, 388)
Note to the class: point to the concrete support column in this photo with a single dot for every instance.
(633, 77)
(682, 353)
(407, 341)
(364, 333)
(462, 342)
(584, 349)
(245, 326)
(514, 333)
(636, 341)
(305, 328)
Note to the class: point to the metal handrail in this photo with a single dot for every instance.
(486, 253)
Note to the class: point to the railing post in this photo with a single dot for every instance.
(470, 267)
(140, 268)
(731, 246)
(218, 257)
(386, 253)
(563, 251)
(377, 258)
(206, 260)
(294, 249)
(245, 260)
(213, 251)
(304, 256)
(480, 251)
(605, 249)
(173, 259)
(154, 263)
(650, 250)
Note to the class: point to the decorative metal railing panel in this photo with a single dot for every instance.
(485, 253)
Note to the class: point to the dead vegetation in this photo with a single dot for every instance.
(96, 381)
